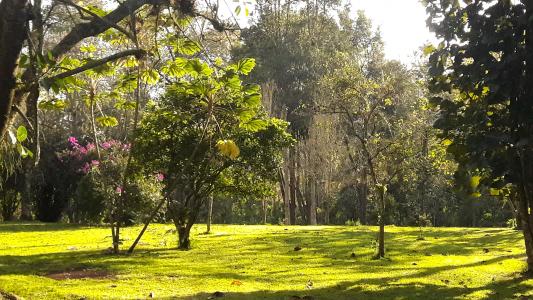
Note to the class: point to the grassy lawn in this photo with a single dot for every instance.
(259, 262)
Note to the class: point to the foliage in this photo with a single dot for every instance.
(207, 129)
(481, 76)
(99, 185)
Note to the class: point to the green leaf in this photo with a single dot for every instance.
(54, 104)
(107, 121)
(22, 134)
(474, 181)
(184, 46)
(23, 61)
(255, 125)
(428, 49)
(196, 67)
(90, 48)
(150, 77)
(253, 100)
(238, 10)
(245, 66)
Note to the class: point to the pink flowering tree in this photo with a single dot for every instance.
(100, 192)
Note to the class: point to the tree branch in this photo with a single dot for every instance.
(139, 53)
(95, 16)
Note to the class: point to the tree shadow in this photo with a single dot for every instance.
(17, 227)
(504, 289)
(43, 264)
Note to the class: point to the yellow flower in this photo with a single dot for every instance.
(228, 148)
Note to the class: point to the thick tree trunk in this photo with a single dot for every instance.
(209, 214)
(13, 31)
(184, 241)
(526, 216)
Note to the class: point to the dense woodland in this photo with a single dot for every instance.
(139, 111)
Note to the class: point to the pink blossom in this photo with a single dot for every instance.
(95, 163)
(159, 177)
(86, 168)
(73, 141)
(106, 145)
(82, 150)
(90, 147)
(118, 190)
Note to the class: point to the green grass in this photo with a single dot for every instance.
(450, 263)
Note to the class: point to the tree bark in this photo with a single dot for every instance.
(184, 241)
(292, 186)
(381, 235)
(363, 197)
(286, 201)
(312, 203)
(209, 214)
(527, 229)
(14, 15)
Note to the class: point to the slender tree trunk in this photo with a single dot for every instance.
(209, 214)
(312, 203)
(363, 197)
(381, 235)
(286, 201)
(292, 186)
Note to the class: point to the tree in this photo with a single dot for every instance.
(207, 134)
(481, 76)
(374, 116)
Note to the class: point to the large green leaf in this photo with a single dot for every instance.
(22, 134)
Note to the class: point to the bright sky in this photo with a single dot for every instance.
(402, 24)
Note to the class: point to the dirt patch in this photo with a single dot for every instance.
(80, 274)
(8, 296)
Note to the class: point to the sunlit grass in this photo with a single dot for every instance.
(259, 262)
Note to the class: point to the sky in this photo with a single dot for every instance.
(402, 24)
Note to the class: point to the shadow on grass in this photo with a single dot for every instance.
(43, 264)
(505, 289)
(14, 227)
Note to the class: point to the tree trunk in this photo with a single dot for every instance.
(381, 235)
(13, 31)
(26, 208)
(381, 238)
(285, 196)
(292, 186)
(312, 203)
(526, 216)
(184, 241)
(209, 214)
(363, 197)
(265, 210)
